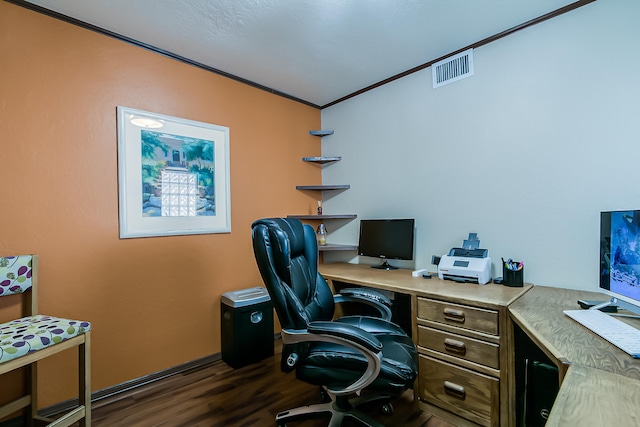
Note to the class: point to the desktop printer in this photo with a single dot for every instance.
(466, 265)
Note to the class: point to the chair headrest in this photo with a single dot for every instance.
(286, 236)
(289, 230)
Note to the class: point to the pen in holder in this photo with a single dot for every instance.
(512, 273)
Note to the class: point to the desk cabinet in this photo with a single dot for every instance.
(459, 348)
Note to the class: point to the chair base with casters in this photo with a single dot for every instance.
(355, 359)
(338, 408)
(27, 340)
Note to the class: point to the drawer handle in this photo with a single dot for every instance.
(454, 315)
(454, 390)
(454, 346)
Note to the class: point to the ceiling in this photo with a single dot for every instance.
(314, 51)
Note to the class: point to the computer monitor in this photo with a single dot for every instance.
(386, 239)
(620, 257)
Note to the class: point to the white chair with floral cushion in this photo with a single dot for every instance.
(34, 337)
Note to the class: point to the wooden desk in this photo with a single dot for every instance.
(599, 382)
(401, 281)
(597, 379)
(539, 315)
(464, 339)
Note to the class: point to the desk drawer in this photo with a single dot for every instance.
(463, 392)
(477, 351)
(462, 316)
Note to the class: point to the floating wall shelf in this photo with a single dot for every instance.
(309, 217)
(321, 160)
(332, 247)
(323, 187)
(320, 133)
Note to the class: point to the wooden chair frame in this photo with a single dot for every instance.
(82, 413)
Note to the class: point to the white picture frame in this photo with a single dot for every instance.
(173, 175)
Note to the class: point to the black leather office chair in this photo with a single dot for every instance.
(367, 357)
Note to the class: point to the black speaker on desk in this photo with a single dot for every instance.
(541, 389)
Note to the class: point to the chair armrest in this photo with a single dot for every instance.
(366, 296)
(349, 336)
(348, 332)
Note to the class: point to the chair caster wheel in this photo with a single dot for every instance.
(387, 409)
(324, 396)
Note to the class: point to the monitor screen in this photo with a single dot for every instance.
(620, 256)
(387, 239)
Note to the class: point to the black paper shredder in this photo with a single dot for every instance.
(247, 326)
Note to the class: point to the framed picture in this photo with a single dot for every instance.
(173, 175)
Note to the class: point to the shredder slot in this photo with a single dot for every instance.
(245, 297)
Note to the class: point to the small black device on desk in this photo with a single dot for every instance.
(587, 304)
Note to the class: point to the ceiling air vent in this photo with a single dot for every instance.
(453, 68)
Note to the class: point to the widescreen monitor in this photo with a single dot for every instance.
(620, 257)
(386, 239)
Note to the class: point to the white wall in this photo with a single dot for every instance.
(526, 153)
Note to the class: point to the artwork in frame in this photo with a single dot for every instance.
(173, 175)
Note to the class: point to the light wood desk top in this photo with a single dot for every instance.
(600, 385)
(402, 281)
(539, 314)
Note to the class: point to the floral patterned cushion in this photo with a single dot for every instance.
(15, 274)
(28, 334)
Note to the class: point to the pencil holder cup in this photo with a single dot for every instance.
(513, 278)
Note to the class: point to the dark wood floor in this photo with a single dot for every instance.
(219, 395)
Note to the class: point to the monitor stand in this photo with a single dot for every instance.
(385, 266)
(616, 302)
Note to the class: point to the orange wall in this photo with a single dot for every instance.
(153, 302)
